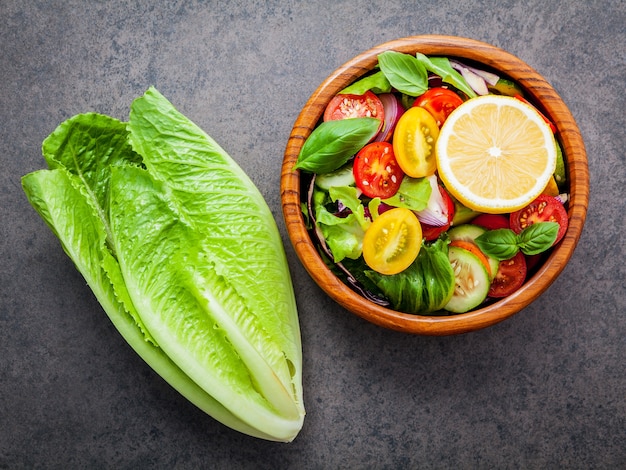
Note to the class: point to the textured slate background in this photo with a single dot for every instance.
(544, 389)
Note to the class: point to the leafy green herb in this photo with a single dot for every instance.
(404, 72)
(504, 243)
(499, 244)
(441, 66)
(376, 82)
(332, 143)
(538, 237)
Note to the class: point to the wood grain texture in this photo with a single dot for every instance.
(539, 92)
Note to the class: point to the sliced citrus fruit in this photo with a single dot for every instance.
(495, 154)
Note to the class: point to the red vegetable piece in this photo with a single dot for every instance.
(543, 209)
(510, 276)
(376, 171)
(345, 106)
(439, 102)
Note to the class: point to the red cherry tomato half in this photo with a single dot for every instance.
(439, 102)
(376, 171)
(432, 232)
(543, 209)
(491, 221)
(550, 123)
(344, 106)
(510, 276)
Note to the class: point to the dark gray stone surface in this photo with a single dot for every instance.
(545, 389)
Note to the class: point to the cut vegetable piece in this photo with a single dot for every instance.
(414, 142)
(469, 233)
(510, 276)
(505, 87)
(473, 249)
(341, 177)
(471, 281)
(393, 241)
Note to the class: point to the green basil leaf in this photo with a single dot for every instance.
(413, 194)
(499, 244)
(538, 237)
(332, 143)
(405, 73)
(377, 83)
(441, 66)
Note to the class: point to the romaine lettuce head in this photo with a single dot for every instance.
(184, 255)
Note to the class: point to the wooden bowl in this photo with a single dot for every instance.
(537, 90)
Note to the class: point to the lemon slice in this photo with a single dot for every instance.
(495, 154)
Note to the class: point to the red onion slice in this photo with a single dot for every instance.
(393, 111)
(436, 212)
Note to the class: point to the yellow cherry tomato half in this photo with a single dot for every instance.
(393, 241)
(414, 142)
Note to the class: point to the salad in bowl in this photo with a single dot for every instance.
(434, 185)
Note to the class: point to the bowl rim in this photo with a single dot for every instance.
(539, 91)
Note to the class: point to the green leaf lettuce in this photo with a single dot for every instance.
(184, 256)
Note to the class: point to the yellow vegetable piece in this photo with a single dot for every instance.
(414, 142)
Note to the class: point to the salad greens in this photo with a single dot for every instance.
(464, 258)
(424, 287)
(441, 66)
(184, 256)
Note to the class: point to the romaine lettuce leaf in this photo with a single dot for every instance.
(424, 287)
(184, 255)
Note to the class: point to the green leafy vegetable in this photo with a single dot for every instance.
(348, 195)
(376, 82)
(424, 287)
(441, 66)
(504, 243)
(184, 256)
(404, 72)
(344, 235)
(413, 194)
(332, 143)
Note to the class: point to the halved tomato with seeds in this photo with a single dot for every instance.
(376, 171)
(392, 242)
(510, 276)
(543, 209)
(345, 106)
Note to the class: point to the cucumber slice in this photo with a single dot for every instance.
(470, 278)
(468, 233)
(341, 177)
